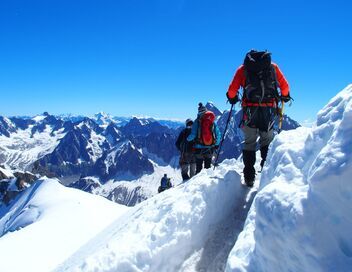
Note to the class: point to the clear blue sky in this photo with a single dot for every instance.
(161, 57)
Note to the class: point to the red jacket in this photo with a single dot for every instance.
(239, 80)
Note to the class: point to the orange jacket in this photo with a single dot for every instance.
(239, 80)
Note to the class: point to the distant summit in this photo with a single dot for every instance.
(103, 119)
(210, 106)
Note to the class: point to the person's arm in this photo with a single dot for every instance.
(194, 131)
(237, 82)
(283, 84)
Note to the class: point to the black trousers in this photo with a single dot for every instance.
(203, 157)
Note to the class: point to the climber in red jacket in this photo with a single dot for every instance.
(260, 80)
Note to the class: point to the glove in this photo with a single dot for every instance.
(286, 98)
(233, 100)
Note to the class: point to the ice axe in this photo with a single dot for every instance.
(223, 137)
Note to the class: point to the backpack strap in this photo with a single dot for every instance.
(245, 73)
(273, 70)
(213, 132)
(199, 132)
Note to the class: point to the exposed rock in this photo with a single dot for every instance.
(143, 127)
(123, 195)
(87, 184)
(112, 134)
(123, 159)
(160, 144)
(6, 126)
(26, 177)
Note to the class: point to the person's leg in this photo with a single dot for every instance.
(207, 162)
(191, 161)
(249, 148)
(199, 165)
(266, 138)
(208, 157)
(250, 138)
(192, 169)
(198, 160)
(263, 154)
(184, 171)
(248, 170)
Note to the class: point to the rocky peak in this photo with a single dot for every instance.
(210, 106)
(87, 124)
(112, 133)
(6, 126)
(138, 127)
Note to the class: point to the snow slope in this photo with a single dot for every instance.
(301, 218)
(49, 222)
(163, 232)
(133, 192)
(23, 148)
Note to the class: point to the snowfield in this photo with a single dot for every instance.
(162, 232)
(48, 223)
(301, 218)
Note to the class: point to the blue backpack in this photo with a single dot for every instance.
(165, 183)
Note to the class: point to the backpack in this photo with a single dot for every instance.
(206, 135)
(165, 183)
(261, 81)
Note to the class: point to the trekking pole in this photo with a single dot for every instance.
(281, 115)
(223, 136)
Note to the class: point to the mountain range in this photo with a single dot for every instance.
(296, 217)
(79, 150)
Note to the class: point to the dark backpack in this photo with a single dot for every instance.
(261, 80)
(165, 183)
(206, 135)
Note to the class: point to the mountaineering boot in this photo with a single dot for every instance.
(249, 171)
(263, 154)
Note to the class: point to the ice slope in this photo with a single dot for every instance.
(49, 222)
(162, 232)
(301, 218)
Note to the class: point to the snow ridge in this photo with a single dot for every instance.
(305, 200)
(48, 222)
(163, 231)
